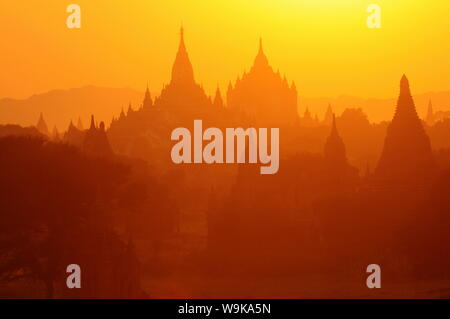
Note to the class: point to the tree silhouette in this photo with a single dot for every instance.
(56, 205)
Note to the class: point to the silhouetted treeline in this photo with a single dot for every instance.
(59, 207)
(16, 130)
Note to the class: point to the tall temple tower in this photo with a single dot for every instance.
(340, 176)
(407, 158)
(263, 95)
(218, 101)
(182, 71)
(183, 93)
(334, 149)
(148, 102)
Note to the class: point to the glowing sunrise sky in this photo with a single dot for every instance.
(324, 45)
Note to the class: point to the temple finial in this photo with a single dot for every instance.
(92, 123)
(404, 81)
(404, 86)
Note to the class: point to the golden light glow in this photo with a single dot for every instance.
(324, 45)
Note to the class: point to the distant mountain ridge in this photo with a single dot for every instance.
(61, 106)
(377, 109)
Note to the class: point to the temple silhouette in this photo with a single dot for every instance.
(433, 116)
(180, 102)
(42, 125)
(183, 93)
(263, 96)
(343, 182)
(96, 142)
(260, 98)
(407, 159)
(342, 177)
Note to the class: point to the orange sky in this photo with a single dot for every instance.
(324, 45)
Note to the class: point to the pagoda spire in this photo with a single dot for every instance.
(334, 149)
(182, 71)
(404, 85)
(182, 35)
(92, 127)
(293, 86)
(42, 125)
(405, 106)
(148, 102)
(218, 101)
(407, 156)
(261, 60)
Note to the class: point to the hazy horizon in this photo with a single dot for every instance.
(324, 46)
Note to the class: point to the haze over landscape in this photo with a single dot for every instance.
(61, 106)
(323, 45)
(112, 153)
